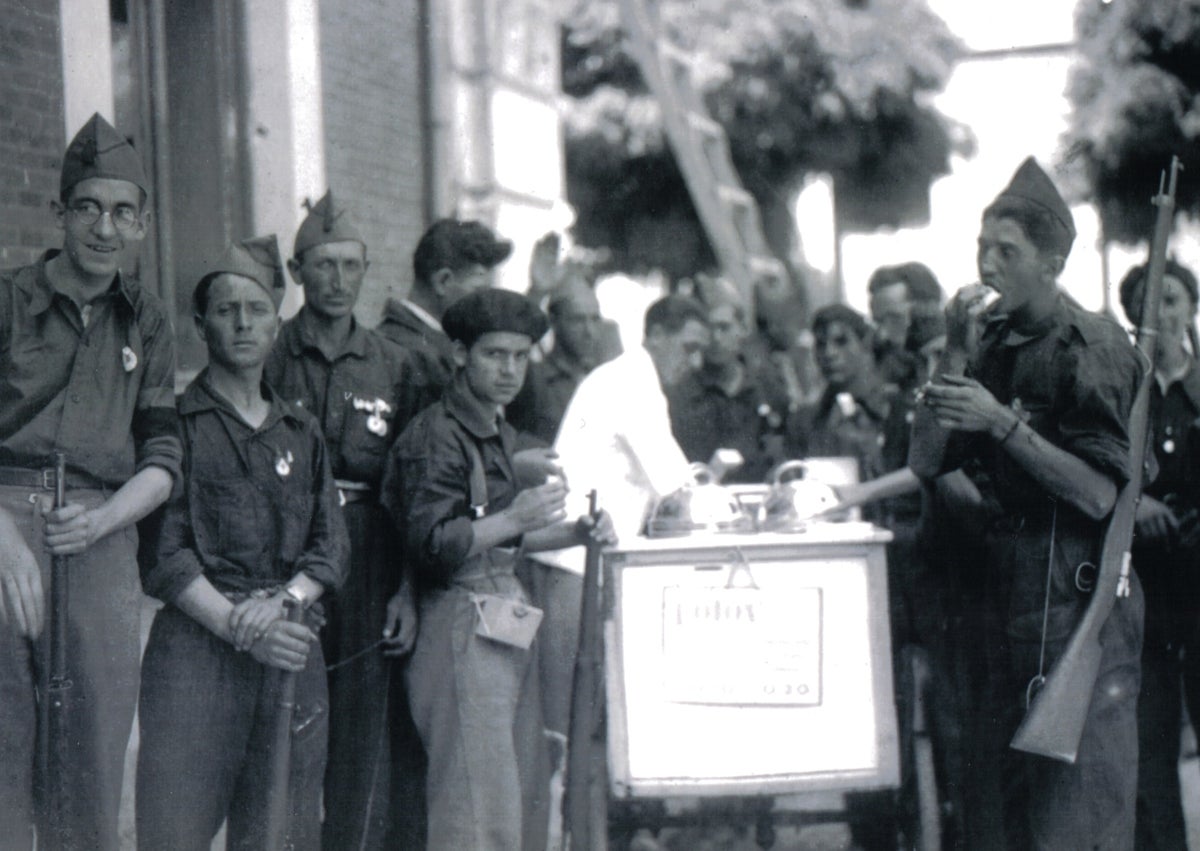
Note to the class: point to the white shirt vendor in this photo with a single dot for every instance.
(616, 435)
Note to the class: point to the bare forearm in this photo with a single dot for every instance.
(207, 606)
(556, 537)
(148, 489)
(1063, 475)
(491, 531)
(927, 443)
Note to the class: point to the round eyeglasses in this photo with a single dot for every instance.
(124, 217)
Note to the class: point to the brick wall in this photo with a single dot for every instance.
(31, 128)
(370, 65)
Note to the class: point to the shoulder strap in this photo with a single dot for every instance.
(478, 481)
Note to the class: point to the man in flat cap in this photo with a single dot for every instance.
(453, 258)
(87, 368)
(1033, 395)
(363, 389)
(452, 490)
(256, 529)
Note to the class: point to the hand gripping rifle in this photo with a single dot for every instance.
(57, 769)
(279, 771)
(1053, 724)
(586, 796)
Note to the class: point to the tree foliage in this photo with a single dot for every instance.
(800, 86)
(1135, 96)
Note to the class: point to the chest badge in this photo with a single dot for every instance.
(283, 465)
(129, 359)
(375, 409)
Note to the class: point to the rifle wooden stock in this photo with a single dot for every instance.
(585, 800)
(57, 741)
(279, 773)
(1053, 725)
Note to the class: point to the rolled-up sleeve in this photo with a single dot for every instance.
(425, 491)
(1094, 426)
(326, 556)
(155, 423)
(176, 563)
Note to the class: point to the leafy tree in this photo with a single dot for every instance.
(800, 86)
(1135, 96)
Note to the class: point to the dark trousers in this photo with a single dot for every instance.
(206, 716)
(102, 661)
(375, 776)
(1049, 805)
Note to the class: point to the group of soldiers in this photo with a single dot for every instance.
(392, 521)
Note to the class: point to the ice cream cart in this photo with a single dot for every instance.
(752, 668)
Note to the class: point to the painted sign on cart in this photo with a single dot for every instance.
(740, 646)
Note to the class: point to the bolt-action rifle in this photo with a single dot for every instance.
(56, 745)
(279, 797)
(586, 795)
(1053, 724)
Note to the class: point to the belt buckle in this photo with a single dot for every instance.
(48, 479)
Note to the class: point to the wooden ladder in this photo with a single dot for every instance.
(728, 213)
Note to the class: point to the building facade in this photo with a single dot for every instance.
(242, 109)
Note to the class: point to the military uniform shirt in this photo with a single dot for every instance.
(363, 398)
(426, 486)
(259, 505)
(430, 348)
(102, 392)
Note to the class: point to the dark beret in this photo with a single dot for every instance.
(493, 309)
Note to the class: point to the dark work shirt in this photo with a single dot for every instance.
(704, 419)
(431, 349)
(426, 486)
(1072, 378)
(1171, 414)
(103, 394)
(363, 398)
(873, 428)
(538, 409)
(258, 505)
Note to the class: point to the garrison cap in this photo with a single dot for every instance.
(98, 150)
(1032, 185)
(493, 309)
(326, 222)
(256, 258)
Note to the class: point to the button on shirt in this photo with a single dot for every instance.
(259, 505)
(616, 437)
(426, 486)
(363, 398)
(103, 393)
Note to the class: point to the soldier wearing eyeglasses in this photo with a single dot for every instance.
(87, 368)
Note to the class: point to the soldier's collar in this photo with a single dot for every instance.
(42, 291)
(299, 338)
(469, 411)
(200, 396)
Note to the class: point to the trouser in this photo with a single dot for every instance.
(207, 715)
(1050, 805)
(476, 705)
(365, 794)
(1160, 823)
(560, 595)
(102, 659)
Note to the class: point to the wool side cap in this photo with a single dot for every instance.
(98, 150)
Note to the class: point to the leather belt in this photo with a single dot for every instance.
(44, 479)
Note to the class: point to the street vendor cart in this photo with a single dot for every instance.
(747, 675)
